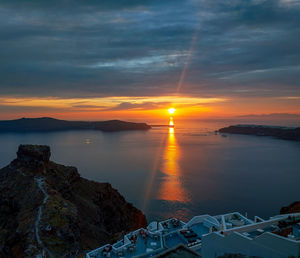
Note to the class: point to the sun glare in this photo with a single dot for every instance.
(171, 110)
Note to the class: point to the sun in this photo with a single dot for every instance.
(171, 110)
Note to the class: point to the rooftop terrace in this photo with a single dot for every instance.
(165, 235)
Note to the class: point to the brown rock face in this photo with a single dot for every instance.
(28, 153)
(49, 208)
(293, 208)
(34, 157)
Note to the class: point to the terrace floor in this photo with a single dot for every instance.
(200, 229)
(174, 239)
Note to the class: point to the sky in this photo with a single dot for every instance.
(133, 59)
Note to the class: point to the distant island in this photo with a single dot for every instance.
(48, 124)
(280, 132)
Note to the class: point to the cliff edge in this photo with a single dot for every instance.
(47, 208)
(292, 208)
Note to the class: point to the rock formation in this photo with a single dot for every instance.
(292, 208)
(47, 208)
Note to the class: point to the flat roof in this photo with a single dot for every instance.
(179, 251)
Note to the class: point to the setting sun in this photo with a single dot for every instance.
(171, 110)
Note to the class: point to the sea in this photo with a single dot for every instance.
(181, 172)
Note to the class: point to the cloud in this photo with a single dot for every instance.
(139, 48)
(88, 106)
(139, 106)
(273, 115)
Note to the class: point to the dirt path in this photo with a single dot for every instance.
(40, 183)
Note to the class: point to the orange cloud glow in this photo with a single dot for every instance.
(107, 107)
(142, 108)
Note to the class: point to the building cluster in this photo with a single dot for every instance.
(212, 236)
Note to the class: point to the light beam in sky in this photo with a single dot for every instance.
(188, 59)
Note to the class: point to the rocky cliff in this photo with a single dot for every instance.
(292, 208)
(47, 208)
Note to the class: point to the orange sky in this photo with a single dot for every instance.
(143, 108)
(68, 64)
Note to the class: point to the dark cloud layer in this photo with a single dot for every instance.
(135, 48)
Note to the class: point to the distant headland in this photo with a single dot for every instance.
(48, 124)
(280, 132)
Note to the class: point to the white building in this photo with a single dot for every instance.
(212, 236)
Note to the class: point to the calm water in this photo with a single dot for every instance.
(184, 173)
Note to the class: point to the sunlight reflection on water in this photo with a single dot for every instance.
(171, 188)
